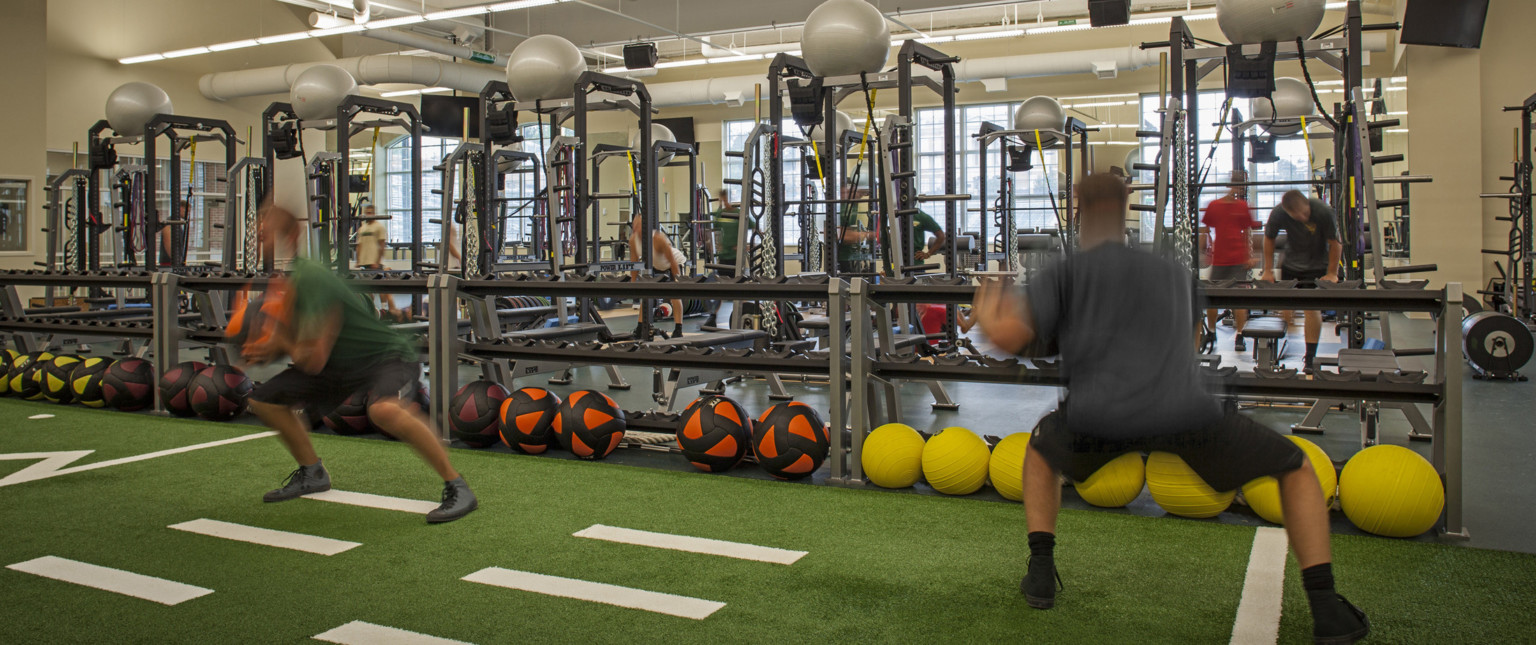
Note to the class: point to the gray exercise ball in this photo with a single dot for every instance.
(1040, 113)
(843, 37)
(1248, 22)
(659, 132)
(844, 124)
(1131, 159)
(318, 91)
(1292, 98)
(543, 68)
(132, 105)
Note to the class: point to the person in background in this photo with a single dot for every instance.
(855, 249)
(726, 222)
(922, 224)
(1231, 221)
(1121, 317)
(1312, 252)
(372, 242)
(665, 259)
(337, 347)
(168, 233)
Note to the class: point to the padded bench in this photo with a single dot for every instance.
(1266, 332)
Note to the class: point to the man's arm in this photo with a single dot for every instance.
(1269, 259)
(1335, 251)
(1004, 316)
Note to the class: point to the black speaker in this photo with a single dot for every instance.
(1444, 23)
(1108, 13)
(640, 56)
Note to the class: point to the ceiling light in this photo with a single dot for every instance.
(193, 51)
(1336, 5)
(336, 31)
(1398, 130)
(436, 90)
(140, 59)
(935, 39)
(1397, 114)
(283, 38)
(1099, 104)
(456, 13)
(521, 4)
(984, 35)
(682, 63)
(1054, 29)
(322, 20)
(390, 95)
(238, 44)
(734, 59)
(1097, 96)
(396, 22)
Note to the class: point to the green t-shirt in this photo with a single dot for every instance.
(364, 338)
(922, 225)
(729, 228)
(854, 218)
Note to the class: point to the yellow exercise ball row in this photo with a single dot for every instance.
(1176, 488)
(1391, 491)
(954, 462)
(1263, 494)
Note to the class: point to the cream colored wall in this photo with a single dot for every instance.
(1505, 80)
(22, 38)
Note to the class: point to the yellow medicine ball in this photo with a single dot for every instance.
(1176, 488)
(1391, 491)
(955, 462)
(1263, 494)
(892, 456)
(1006, 468)
(5, 371)
(1115, 484)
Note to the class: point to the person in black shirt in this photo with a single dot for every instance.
(1124, 321)
(1312, 252)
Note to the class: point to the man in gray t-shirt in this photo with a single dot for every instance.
(1312, 252)
(1125, 322)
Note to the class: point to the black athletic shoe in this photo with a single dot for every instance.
(458, 501)
(302, 481)
(677, 332)
(1238, 344)
(1041, 583)
(1337, 622)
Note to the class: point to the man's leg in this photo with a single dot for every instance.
(409, 425)
(1042, 503)
(289, 429)
(1334, 619)
(271, 403)
(1042, 494)
(1313, 330)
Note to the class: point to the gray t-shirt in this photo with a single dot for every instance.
(1125, 322)
(1306, 246)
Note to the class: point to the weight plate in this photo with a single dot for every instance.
(1495, 342)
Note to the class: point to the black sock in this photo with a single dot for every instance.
(1311, 351)
(1042, 544)
(1318, 578)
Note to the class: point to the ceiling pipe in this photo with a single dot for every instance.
(436, 45)
(368, 70)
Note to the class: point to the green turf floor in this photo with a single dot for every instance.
(881, 567)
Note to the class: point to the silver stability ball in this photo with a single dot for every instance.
(132, 105)
(543, 68)
(318, 91)
(1292, 98)
(659, 132)
(1040, 113)
(1131, 159)
(844, 124)
(843, 37)
(1249, 22)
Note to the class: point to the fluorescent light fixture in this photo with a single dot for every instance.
(1205, 15)
(935, 39)
(616, 70)
(192, 51)
(1160, 20)
(682, 63)
(984, 35)
(283, 38)
(390, 95)
(436, 90)
(1336, 5)
(1397, 113)
(734, 59)
(1056, 29)
(336, 31)
(238, 44)
(396, 22)
(1098, 104)
(1113, 143)
(140, 59)
(520, 4)
(456, 13)
(1398, 130)
(1098, 96)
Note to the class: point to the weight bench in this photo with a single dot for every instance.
(723, 338)
(1367, 365)
(667, 382)
(1268, 334)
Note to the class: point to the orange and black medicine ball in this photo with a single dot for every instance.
(790, 440)
(528, 420)
(714, 433)
(590, 424)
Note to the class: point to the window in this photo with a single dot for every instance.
(202, 187)
(1215, 158)
(520, 186)
(735, 140)
(397, 187)
(1035, 193)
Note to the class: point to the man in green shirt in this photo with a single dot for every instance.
(922, 224)
(339, 346)
(727, 221)
(856, 237)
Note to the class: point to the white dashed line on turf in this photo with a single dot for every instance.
(691, 544)
(266, 537)
(36, 417)
(127, 583)
(375, 501)
(358, 632)
(52, 461)
(1258, 613)
(653, 601)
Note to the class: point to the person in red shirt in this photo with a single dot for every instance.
(1231, 221)
(931, 318)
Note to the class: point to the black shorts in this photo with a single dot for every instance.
(1227, 454)
(1234, 273)
(323, 392)
(1311, 275)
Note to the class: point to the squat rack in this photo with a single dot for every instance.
(1519, 288)
(171, 127)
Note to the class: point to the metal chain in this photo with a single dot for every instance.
(1183, 220)
(470, 254)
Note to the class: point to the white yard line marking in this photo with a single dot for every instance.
(358, 632)
(691, 544)
(661, 603)
(165, 592)
(1258, 613)
(375, 501)
(40, 416)
(266, 537)
(53, 460)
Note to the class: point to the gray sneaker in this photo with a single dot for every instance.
(302, 481)
(458, 501)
